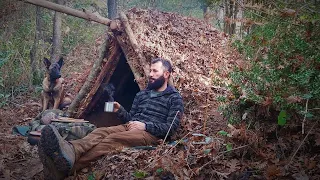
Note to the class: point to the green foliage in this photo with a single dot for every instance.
(139, 174)
(282, 118)
(187, 8)
(224, 133)
(283, 63)
(159, 170)
(91, 176)
(228, 147)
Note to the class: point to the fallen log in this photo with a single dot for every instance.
(81, 14)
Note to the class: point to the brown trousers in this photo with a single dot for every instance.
(105, 139)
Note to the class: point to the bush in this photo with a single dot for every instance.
(282, 69)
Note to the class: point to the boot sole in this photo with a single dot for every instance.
(49, 142)
(49, 170)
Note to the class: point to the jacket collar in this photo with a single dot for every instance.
(168, 90)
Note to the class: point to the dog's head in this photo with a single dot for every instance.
(53, 68)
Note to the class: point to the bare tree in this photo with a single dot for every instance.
(231, 9)
(112, 9)
(56, 39)
(35, 73)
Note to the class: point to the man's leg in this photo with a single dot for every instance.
(113, 142)
(83, 145)
(62, 153)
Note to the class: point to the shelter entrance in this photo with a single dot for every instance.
(121, 88)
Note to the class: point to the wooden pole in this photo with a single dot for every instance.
(81, 14)
(85, 89)
(105, 73)
(132, 39)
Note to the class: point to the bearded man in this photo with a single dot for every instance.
(156, 112)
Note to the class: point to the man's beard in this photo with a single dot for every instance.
(157, 83)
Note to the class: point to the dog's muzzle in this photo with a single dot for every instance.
(54, 76)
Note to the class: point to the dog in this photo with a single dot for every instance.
(53, 92)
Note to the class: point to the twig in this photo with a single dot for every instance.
(164, 140)
(209, 162)
(235, 148)
(168, 150)
(305, 116)
(193, 173)
(301, 144)
(313, 109)
(19, 160)
(206, 116)
(220, 154)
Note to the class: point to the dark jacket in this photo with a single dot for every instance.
(156, 112)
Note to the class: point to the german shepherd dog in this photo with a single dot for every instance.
(53, 92)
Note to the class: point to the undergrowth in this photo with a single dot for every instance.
(282, 68)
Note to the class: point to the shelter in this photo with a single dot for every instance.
(199, 53)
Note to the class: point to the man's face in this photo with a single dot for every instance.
(158, 76)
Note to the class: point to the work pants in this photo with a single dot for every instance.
(105, 139)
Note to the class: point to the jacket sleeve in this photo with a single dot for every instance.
(126, 116)
(160, 129)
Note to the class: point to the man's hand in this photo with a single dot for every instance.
(116, 106)
(132, 125)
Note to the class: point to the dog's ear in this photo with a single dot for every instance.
(46, 62)
(60, 62)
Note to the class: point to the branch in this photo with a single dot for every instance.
(301, 144)
(305, 116)
(56, 7)
(170, 127)
(133, 41)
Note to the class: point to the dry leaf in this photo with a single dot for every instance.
(293, 99)
(233, 165)
(272, 171)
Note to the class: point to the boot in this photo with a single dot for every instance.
(60, 151)
(50, 172)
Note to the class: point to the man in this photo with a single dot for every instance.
(155, 112)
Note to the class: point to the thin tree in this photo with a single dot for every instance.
(34, 70)
(56, 39)
(112, 9)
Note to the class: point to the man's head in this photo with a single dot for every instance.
(160, 71)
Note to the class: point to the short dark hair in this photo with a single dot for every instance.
(166, 63)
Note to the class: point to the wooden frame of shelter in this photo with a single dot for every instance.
(199, 53)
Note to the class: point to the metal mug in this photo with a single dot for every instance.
(108, 107)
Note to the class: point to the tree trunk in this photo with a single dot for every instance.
(234, 17)
(56, 44)
(34, 70)
(226, 17)
(204, 8)
(112, 9)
